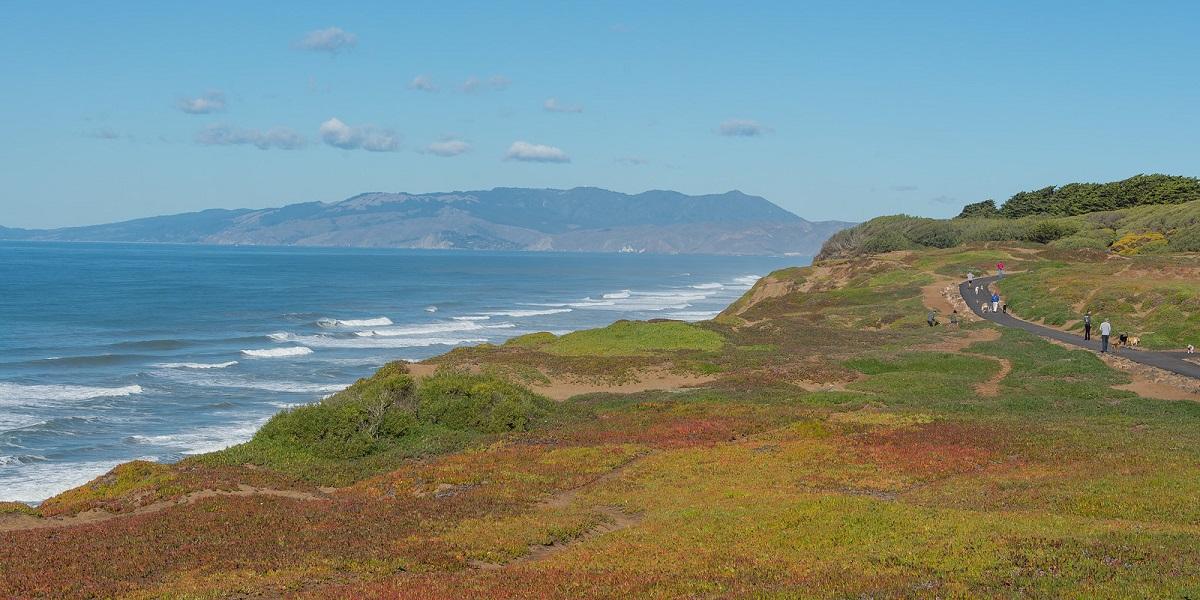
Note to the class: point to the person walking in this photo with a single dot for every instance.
(1000, 270)
(1087, 326)
(954, 318)
(931, 317)
(995, 302)
(1105, 331)
(970, 279)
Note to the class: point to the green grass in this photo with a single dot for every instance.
(628, 338)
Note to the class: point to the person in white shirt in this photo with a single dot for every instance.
(1105, 331)
(970, 279)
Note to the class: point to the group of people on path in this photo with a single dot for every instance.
(1105, 326)
(1105, 331)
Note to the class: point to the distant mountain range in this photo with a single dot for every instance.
(575, 220)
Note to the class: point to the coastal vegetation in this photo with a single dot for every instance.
(836, 447)
(1142, 214)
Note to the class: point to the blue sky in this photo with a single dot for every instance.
(838, 110)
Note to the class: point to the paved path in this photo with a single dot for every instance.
(1170, 361)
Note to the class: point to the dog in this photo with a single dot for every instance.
(1191, 349)
(1134, 341)
(983, 307)
(1122, 340)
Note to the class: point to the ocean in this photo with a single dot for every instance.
(116, 352)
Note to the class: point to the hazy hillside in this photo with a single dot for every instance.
(580, 219)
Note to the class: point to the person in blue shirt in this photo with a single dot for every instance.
(995, 302)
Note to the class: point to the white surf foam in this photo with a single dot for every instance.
(375, 322)
(421, 329)
(203, 439)
(618, 295)
(37, 481)
(249, 383)
(516, 314)
(693, 315)
(746, 280)
(13, 393)
(708, 286)
(190, 365)
(472, 318)
(322, 341)
(278, 352)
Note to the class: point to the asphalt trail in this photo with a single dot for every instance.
(1169, 361)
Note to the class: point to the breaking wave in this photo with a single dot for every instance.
(278, 352)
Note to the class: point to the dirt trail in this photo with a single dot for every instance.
(991, 387)
(19, 522)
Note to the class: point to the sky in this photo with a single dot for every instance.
(834, 110)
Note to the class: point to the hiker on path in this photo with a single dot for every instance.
(1105, 331)
(1087, 326)
(931, 318)
(1000, 270)
(954, 318)
(970, 279)
(995, 302)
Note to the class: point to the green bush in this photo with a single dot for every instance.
(935, 234)
(351, 423)
(1045, 232)
(477, 402)
(378, 412)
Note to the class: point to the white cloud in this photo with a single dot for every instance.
(423, 83)
(207, 103)
(742, 128)
(281, 138)
(449, 146)
(474, 84)
(552, 105)
(526, 152)
(331, 40)
(366, 137)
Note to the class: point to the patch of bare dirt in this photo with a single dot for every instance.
(19, 522)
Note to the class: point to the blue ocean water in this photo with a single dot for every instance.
(112, 352)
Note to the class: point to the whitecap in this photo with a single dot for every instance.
(708, 286)
(618, 295)
(421, 329)
(431, 309)
(375, 322)
(323, 341)
(189, 365)
(527, 313)
(472, 318)
(278, 352)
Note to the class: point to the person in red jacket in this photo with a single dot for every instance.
(1000, 269)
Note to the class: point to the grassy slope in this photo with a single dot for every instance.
(843, 451)
(1172, 228)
